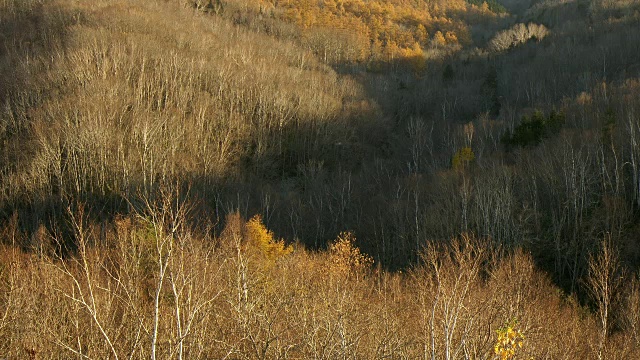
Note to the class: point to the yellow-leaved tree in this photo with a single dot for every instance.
(510, 339)
(346, 258)
(439, 39)
(462, 158)
(263, 239)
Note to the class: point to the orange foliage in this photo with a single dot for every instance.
(390, 28)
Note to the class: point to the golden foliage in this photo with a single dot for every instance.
(421, 34)
(346, 257)
(263, 239)
(397, 25)
(509, 341)
(451, 37)
(439, 39)
(416, 59)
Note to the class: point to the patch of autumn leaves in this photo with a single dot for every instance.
(263, 239)
(390, 30)
(510, 340)
(346, 258)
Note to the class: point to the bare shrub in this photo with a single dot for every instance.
(516, 35)
(448, 280)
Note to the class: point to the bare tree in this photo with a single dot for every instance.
(603, 283)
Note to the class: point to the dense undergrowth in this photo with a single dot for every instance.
(158, 284)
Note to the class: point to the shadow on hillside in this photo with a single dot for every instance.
(31, 34)
(575, 58)
(570, 61)
(356, 175)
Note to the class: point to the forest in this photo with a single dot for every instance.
(320, 179)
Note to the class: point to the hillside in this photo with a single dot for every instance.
(483, 154)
